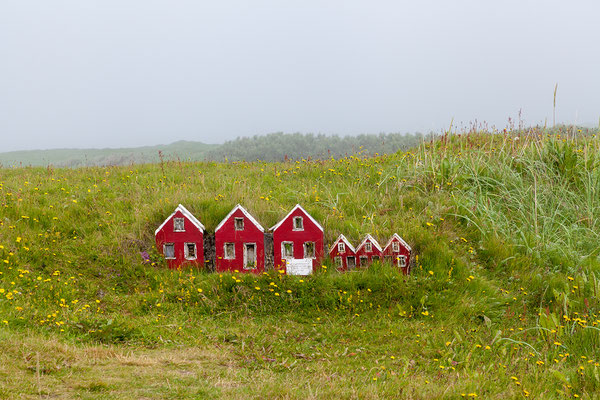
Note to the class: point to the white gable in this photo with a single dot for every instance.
(246, 214)
(372, 240)
(396, 236)
(342, 238)
(186, 214)
(290, 213)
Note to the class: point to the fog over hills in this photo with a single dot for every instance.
(272, 147)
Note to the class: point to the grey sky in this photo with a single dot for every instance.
(110, 73)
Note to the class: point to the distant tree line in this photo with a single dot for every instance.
(281, 146)
(272, 147)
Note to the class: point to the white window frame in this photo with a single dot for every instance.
(341, 247)
(176, 221)
(283, 256)
(338, 261)
(246, 254)
(237, 220)
(228, 256)
(187, 253)
(301, 220)
(395, 247)
(368, 247)
(402, 261)
(364, 259)
(314, 248)
(165, 250)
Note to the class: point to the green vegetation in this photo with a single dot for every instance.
(502, 302)
(103, 157)
(273, 147)
(280, 147)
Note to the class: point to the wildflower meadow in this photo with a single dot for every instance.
(502, 300)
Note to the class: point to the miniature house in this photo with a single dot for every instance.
(297, 236)
(368, 251)
(343, 254)
(397, 252)
(180, 239)
(240, 243)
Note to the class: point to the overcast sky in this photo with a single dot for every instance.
(117, 73)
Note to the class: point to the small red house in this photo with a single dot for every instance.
(240, 243)
(397, 252)
(180, 239)
(368, 251)
(343, 254)
(297, 236)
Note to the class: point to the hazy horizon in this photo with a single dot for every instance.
(143, 73)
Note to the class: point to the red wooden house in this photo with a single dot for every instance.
(297, 236)
(180, 239)
(343, 254)
(368, 251)
(397, 252)
(240, 243)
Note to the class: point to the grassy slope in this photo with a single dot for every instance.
(502, 302)
(121, 156)
(272, 147)
(282, 147)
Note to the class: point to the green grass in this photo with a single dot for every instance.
(502, 301)
(182, 149)
(271, 147)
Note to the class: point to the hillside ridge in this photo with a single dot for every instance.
(271, 147)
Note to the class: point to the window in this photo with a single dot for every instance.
(249, 256)
(395, 246)
(179, 224)
(341, 248)
(388, 259)
(287, 250)
(298, 224)
(363, 260)
(368, 247)
(351, 262)
(309, 249)
(190, 251)
(375, 258)
(338, 262)
(402, 261)
(229, 251)
(169, 251)
(239, 224)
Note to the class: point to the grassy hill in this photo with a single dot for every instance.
(297, 146)
(182, 149)
(502, 302)
(272, 147)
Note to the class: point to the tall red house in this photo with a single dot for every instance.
(240, 243)
(368, 251)
(397, 252)
(180, 239)
(343, 254)
(297, 236)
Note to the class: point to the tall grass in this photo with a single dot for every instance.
(504, 227)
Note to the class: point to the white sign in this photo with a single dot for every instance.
(299, 266)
